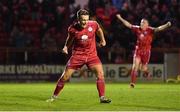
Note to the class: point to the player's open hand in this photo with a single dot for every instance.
(118, 16)
(65, 50)
(169, 23)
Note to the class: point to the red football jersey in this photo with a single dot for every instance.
(144, 37)
(84, 38)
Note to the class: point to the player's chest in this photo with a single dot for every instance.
(85, 34)
(144, 35)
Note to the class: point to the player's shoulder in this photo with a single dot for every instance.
(92, 22)
(72, 26)
(135, 26)
(151, 28)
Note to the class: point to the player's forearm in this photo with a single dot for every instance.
(101, 35)
(67, 45)
(68, 42)
(163, 27)
(126, 23)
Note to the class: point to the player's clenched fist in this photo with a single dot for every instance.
(118, 16)
(65, 50)
(169, 23)
(102, 43)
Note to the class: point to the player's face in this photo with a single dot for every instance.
(83, 19)
(144, 24)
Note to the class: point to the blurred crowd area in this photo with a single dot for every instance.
(42, 24)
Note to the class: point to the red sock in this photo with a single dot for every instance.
(133, 76)
(100, 86)
(59, 87)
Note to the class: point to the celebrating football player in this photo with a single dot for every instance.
(142, 52)
(81, 35)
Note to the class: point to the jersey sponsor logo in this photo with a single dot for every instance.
(145, 32)
(84, 37)
(141, 36)
(90, 29)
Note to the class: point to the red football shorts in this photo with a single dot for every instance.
(76, 62)
(144, 55)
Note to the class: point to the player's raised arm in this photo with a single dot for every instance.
(100, 34)
(68, 43)
(125, 22)
(162, 27)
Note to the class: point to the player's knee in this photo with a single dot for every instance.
(65, 78)
(144, 69)
(135, 68)
(100, 75)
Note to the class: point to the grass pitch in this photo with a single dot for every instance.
(84, 97)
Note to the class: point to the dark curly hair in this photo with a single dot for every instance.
(82, 12)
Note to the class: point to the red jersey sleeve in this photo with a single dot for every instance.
(96, 25)
(151, 29)
(70, 31)
(134, 28)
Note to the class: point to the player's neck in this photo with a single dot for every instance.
(144, 28)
